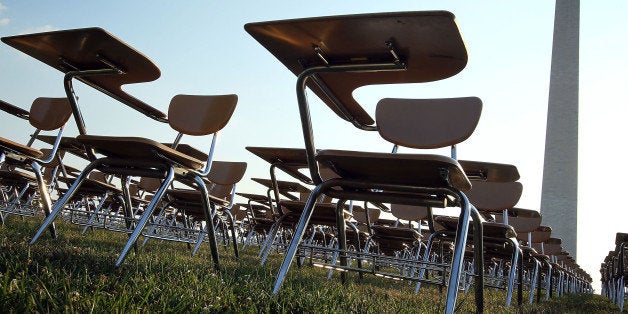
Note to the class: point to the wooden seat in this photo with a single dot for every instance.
(491, 229)
(525, 221)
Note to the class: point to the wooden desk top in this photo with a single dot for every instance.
(14, 110)
(289, 160)
(93, 49)
(285, 187)
(427, 42)
(68, 144)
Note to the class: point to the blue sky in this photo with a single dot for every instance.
(202, 48)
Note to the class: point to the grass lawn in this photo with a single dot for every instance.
(75, 273)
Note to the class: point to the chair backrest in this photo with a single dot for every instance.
(409, 212)
(200, 115)
(541, 234)
(98, 176)
(494, 196)
(149, 184)
(220, 191)
(49, 113)
(427, 123)
(359, 214)
(226, 172)
(304, 196)
(553, 246)
(239, 213)
(523, 220)
(134, 189)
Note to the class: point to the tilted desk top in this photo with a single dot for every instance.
(428, 43)
(67, 143)
(14, 110)
(286, 186)
(93, 49)
(289, 160)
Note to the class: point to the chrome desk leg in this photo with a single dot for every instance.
(147, 213)
(296, 238)
(513, 272)
(209, 209)
(270, 239)
(548, 282)
(44, 195)
(458, 255)
(96, 212)
(64, 200)
(426, 258)
(233, 233)
(342, 238)
(535, 275)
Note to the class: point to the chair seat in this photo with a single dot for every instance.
(396, 233)
(20, 148)
(139, 149)
(491, 229)
(190, 200)
(406, 169)
(528, 250)
(91, 186)
(15, 177)
(324, 213)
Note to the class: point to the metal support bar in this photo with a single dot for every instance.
(144, 218)
(304, 111)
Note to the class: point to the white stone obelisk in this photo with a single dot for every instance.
(559, 198)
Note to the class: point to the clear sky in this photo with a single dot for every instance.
(202, 48)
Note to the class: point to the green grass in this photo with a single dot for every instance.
(75, 273)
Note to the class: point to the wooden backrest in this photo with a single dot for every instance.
(220, 191)
(98, 176)
(553, 246)
(523, 220)
(304, 196)
(49, 113)
(359, 214)
(200, 115)
(494, 196)
(409, 212)
(134, 189)
(427, 123)
(238, 212)
(149, 184)
(226, 172)
(326, 173)
(541, 234)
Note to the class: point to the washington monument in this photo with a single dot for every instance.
(559, 198)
